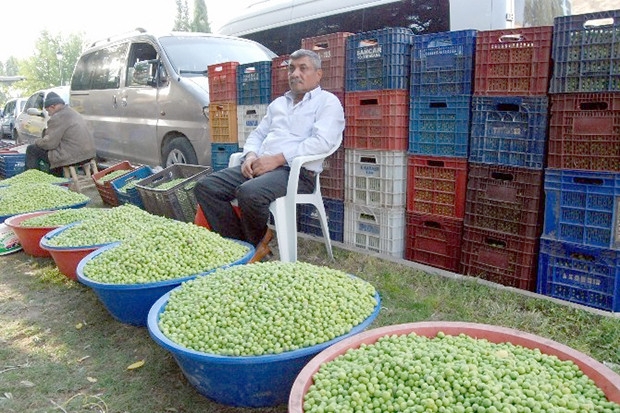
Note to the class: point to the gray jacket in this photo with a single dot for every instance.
(67, 139)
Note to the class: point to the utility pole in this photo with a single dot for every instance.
(59, 58)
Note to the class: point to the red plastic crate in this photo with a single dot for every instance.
(105, 188)
(377, 119)
(332, 177)
(332, 50)
(504, 259)
(434, 240)
(436, 185)
(505, 199)
(223, 82)
(584, 131)
(223, 122)
(279, 76)
(513, 61)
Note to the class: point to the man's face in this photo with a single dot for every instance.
(302, 76)
(52, 109)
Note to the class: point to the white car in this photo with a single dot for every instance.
(32, 122)
(12, 109)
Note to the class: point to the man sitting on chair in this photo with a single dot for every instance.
(306, 120)
(67, 139)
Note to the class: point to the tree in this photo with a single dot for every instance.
(181, 21)
(44, 69)
(8, 90)
(200, 23)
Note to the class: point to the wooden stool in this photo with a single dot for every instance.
(79, 182)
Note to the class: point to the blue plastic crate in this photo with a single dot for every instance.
(586, 54)
(130, 195)
(509, 130)
(308, 220)
(220, 154)
(581, 207)
(254, 83)
(12, 164)
(580, 274)
(439, 126)
(442, 64)
(379, 59)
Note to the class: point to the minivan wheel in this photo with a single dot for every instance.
(179, 150)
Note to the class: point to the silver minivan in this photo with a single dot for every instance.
(146, 96)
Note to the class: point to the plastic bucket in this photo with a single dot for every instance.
(603, 376)
(130, 303)
(246, 381)
(67, 258)
(30, 237)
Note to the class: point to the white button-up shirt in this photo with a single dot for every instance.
(310, 127)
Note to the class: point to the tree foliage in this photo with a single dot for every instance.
(181, 21)
(200, 19)
(43, 69)
(200, 23)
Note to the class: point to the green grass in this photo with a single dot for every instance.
(61, 351)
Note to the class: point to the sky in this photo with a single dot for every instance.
(22, 22)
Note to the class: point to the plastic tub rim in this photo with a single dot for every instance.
(46, 246)
(180, 351)
(141, 286)
(587, 364)
(72, 206)
(27, 215)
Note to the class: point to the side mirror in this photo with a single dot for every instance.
(149, 72)
(35, 112)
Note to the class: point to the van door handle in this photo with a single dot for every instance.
(114, 103)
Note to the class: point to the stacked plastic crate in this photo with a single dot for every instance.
(503, 205)
(331, 49)
(580, 246)
(253, 97)
(279, 76)
(440, 94)
(223, 112)
(376, 139)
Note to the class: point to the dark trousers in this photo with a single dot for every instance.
(36, 158)
(215, 191)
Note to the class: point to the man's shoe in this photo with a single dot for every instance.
(262, 249)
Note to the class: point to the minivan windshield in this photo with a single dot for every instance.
(192, 54)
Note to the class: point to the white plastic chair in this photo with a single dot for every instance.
(284, 209)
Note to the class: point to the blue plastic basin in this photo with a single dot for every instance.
(130, 303)
(246, 381)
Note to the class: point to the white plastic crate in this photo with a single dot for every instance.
(376, 229)
(248, 118)
(375, 178)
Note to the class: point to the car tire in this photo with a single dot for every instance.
(179, 150)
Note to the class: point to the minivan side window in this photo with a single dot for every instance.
(140, 52)
(107, 63)
(9, 108)
(35, 101)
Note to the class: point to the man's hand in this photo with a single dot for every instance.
(254, 166)
(246, 166)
